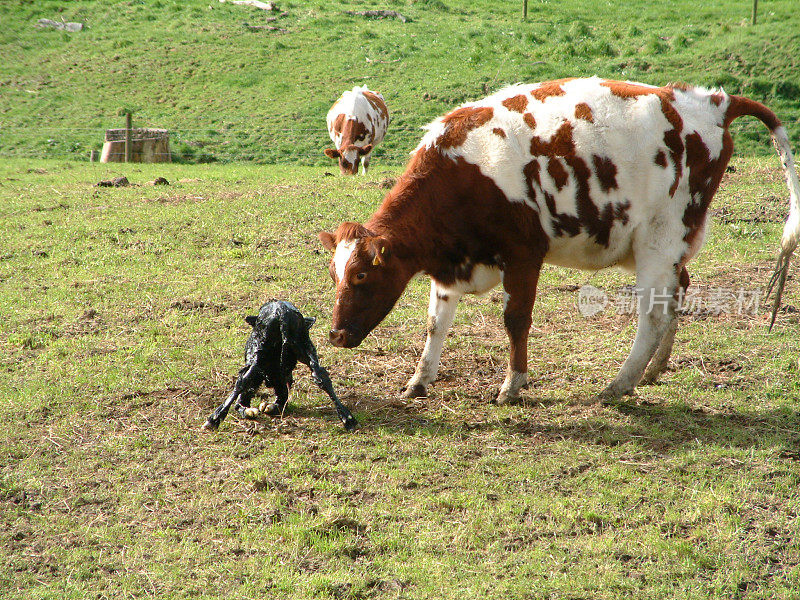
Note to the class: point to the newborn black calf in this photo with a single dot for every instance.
(278, 341)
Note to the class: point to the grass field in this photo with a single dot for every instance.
(229, 93)
(123, 328)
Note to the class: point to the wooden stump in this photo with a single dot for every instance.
(149, 146)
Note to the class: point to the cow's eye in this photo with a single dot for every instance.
(361, 276)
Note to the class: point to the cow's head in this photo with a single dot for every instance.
(349, 157)
(369, 279)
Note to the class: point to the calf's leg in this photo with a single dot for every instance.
(245, 387)
(441, 312)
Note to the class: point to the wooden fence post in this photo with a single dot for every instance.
(525, 10)
(128, 145)
(755, 10)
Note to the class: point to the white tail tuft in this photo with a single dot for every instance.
(791, 231)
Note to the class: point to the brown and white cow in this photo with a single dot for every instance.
(357, 123)
(584, 173)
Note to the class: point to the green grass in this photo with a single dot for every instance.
(123, 329)
(227, 93)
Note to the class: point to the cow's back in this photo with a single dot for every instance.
(593, 157)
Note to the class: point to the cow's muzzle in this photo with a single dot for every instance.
(343, 338)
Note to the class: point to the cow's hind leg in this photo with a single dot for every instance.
(660, 360)
(441, 312)
(520, 294)
(657, 283)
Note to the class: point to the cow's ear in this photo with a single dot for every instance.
(310, 321)
(332, 153)
(327, 240)
(251, 320)
(365, 150)
(379, 249)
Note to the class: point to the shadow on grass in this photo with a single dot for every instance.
(660, 428)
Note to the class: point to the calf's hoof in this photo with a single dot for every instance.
(251, 413)
(350, 423)
(416, 390)
(210, 425)
(273, 410)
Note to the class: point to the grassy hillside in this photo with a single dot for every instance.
(123, 327)
(229, 93)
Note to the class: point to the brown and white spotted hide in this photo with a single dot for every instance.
(357, 123)
(583, 173)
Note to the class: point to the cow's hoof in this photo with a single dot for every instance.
(251, 413)
(415, 391)
(652, 374)
(209, 426)
(612, 395)
(507, 398)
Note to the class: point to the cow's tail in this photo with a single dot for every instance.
(738, 107)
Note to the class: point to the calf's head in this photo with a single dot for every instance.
(369, 279)
(349, 157)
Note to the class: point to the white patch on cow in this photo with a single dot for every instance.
(627, 131)
(482, 279)
(344, 250)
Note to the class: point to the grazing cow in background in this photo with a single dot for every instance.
(583, 173)
(356, 123)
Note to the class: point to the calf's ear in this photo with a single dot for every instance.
(251, 320)
(327, 240)
(365, 150)
(310, 321)
(332, 153)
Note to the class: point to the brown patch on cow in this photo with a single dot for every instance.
(529, 120)
(705, 176)
(561, 144)
(679, 85)
(562, 223)
(584, 111)
(673, 141)
(377, 104)
(557, 171)
(606, 172)
(498, 131)
(625, 89)
(597, 223)
(550, 88)
(516, 103)
(338, 123)
(661, 159)
(460, 122)
(716, 99)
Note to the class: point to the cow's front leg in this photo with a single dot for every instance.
(441, 312)
(520, 294)
(365, 164)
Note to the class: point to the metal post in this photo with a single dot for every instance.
(128, 145)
